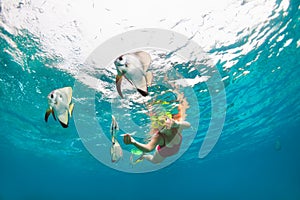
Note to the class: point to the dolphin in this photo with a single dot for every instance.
(134, 66)
(60, 105)
(116, 151)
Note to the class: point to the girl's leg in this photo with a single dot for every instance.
(155, 158)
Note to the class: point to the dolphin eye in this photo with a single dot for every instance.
(122, 60)
(60, 96)
(52, 96)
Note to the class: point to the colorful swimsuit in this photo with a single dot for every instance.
(165, 151)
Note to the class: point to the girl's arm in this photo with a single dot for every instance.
(175, 124)
(183, 124)
(143, 147)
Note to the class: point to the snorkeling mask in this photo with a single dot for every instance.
(165, 106)
(160, 120)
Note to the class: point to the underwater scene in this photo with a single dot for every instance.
(149, 100)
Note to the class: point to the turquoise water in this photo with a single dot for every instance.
(256, 157)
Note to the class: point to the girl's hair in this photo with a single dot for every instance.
(174, 109)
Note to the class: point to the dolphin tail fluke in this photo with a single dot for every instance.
(64, 119)
(116, 151)
(63, 125)
(142, 92)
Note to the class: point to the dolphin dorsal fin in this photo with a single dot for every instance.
(68, 92)
(145, 58)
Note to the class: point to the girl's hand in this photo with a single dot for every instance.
(128, 139)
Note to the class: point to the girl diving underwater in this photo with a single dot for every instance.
(166, 135)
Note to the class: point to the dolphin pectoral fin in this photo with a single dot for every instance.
(64, 119)
(149, 78)
(71, 107)
(48, 112)
(145, 58)
(118, 84)
(113, 127)
(53, 115)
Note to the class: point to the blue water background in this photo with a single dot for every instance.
(257, 156)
